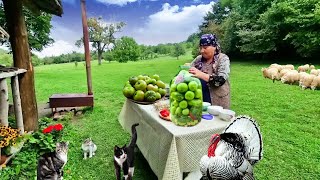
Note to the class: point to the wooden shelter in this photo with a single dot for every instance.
(21, 52)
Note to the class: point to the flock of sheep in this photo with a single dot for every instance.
(287, 74)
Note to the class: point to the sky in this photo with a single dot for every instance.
(149, 22)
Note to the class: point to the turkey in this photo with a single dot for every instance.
(232, 154)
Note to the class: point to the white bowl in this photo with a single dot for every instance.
(227, 114)
(205, 105)
(214, 110)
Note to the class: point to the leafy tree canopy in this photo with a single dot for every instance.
(126, 49)
(38, 27)
(101, 34)
(266, 27)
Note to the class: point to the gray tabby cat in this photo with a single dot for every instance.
(50, 165)
(88, 147)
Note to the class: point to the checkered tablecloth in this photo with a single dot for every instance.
(169, 149)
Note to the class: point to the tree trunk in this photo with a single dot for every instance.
(99, 56)
(22, 59)
(99, 53)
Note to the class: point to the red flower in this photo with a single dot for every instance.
(58, 127)
(48, 129)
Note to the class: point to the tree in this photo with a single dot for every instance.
(266, 27)
(296, 23)
(38, 28)
(178, 50)
(101, 34)
(217, 14)
(126, 49)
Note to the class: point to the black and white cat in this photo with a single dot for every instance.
(50, 165)
(124, 157)
(88, 147)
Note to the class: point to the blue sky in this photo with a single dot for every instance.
(149, 22)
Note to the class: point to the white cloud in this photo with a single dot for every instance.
(64, 32)
(120, 2)
(58, 48)
(171, 24)
(117, 2)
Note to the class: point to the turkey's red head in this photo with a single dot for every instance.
(213, 144)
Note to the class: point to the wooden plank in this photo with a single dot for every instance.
(10, 74)
(17, 103)
(4, 102)
(70, 100)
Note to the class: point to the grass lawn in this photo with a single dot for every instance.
(288, 116)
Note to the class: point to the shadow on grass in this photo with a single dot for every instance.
(142, 164)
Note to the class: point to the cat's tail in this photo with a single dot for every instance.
(134, 134)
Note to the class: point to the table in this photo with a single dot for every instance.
(169, 149)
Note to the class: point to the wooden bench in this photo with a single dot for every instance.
(70, 100)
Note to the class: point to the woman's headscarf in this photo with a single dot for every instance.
(208, 40)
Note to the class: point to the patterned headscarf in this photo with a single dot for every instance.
(208, 40)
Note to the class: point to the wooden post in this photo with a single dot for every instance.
(4, 102)
(17, 103)
(22, 59)
(86, 45)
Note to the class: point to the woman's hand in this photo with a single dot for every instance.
(196, 72)
(199, 74)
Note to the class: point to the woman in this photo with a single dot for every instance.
(212, 68)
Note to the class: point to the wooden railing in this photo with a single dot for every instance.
(12, 73)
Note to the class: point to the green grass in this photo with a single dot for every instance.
(288, 116)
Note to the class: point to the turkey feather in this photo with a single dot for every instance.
(233, 152)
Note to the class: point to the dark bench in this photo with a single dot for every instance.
(70, 100)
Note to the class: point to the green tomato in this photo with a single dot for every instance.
(185, 111)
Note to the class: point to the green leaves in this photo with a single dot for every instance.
(178, 50)
(266, 26)
(101, 34)
(126, 49)
(38, 28)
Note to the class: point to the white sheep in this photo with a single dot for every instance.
(314, 71)
(303, 68)
(301, 77)
(315, 83)
(278, 66)
(271, 73)
(307, 80)
(283, 72)
(290, 77)
(288, 66)
(312, 67)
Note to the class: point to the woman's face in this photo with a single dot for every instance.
(207, 51)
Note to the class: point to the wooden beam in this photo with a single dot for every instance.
(22, 59)
(4, 102)
(86, 45)
(17, 103)
(11, 74)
